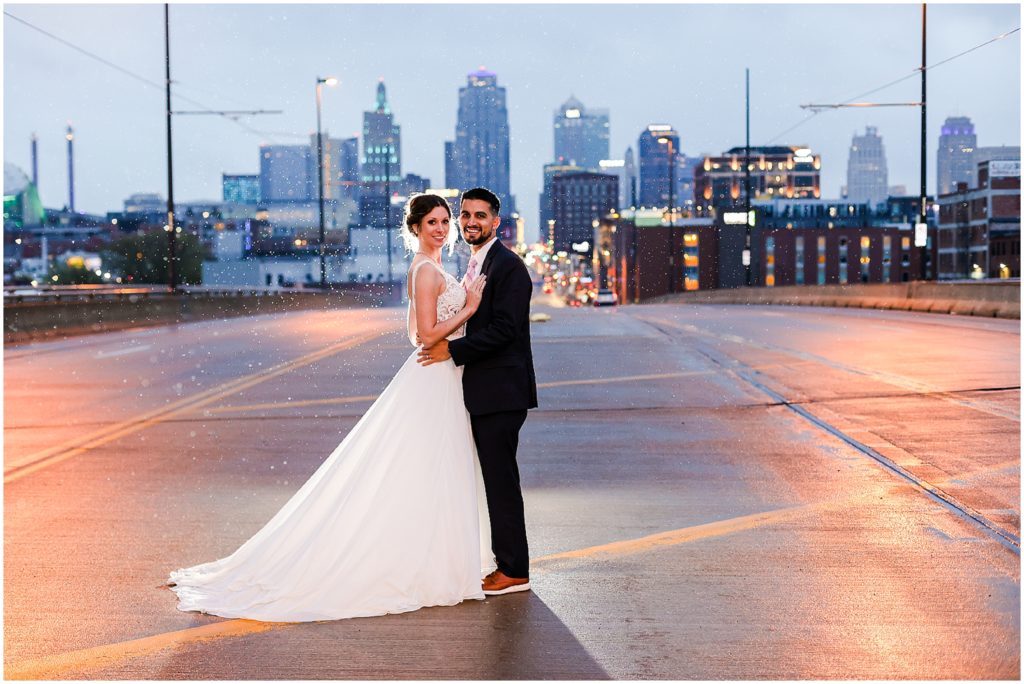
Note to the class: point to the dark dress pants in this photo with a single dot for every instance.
(497, 440)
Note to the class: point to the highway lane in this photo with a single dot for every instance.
(685, 522)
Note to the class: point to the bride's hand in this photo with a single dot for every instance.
(474, 292)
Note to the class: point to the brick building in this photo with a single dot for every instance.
(805, 245)
(979, 228)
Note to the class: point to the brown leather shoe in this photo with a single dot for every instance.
(498, 583)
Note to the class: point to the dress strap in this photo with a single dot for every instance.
(412, 274)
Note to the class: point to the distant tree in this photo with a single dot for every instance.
(71, 275)
(143, 258)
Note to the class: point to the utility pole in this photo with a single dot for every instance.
(70, 136)
(172, 258)
(922, 241)
(921, 229)
(746, 187)
(320, 183)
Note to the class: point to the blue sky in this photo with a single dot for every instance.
(677, 64)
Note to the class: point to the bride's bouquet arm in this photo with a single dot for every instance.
(428, 286)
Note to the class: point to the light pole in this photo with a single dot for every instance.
(172, 257)
(387, 206)
(320, 169)
(671, 207)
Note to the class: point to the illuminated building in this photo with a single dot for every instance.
(479, 155)
(382, 143)
(654, 165)
(241, 188)
(955, 157)
(775, 172)
(581, 135)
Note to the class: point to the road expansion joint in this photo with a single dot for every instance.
(1005, 537)
(918, 388)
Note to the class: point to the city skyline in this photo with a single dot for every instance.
(287, 47)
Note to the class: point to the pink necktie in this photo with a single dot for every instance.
(471, 270)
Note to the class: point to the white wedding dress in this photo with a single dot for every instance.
(392, 521)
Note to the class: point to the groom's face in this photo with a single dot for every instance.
(477, 222)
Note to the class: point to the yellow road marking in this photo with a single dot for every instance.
(680, 536)
(373, 397)
(104, 656)
(292, 404)
(111, 654)
(51, 456)
(622, 378)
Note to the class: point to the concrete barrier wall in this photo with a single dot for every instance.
(33, 321)
(999, 299)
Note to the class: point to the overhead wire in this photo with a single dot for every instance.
(915, 72)
(153, 84)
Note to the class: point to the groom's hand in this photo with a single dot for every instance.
(434, 354)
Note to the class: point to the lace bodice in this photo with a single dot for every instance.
(449, 303)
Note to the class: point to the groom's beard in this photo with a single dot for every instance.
(481, 238)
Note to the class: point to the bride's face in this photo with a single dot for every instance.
(433, 229)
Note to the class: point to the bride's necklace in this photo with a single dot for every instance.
(436, 261)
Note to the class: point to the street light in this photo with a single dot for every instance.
(387, 207)
(331, 81)
(671, 205)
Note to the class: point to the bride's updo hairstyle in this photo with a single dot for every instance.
(419, 205)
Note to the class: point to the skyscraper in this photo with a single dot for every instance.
(349, 160)
(955, 157)
(628, 195)
(581, 135)
(654, 165)
(287, 173)
(577, 200)
(382, 142)
(479, 155)
(867, 175)
(552, 171)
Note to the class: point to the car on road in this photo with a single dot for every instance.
(606, 298)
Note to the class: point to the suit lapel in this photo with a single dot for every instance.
(490, 255)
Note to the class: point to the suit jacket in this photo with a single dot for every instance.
(496, 351)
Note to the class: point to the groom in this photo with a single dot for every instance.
(498, 381)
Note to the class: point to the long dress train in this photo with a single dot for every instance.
(392, 521)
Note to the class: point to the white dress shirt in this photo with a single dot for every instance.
(479, 257)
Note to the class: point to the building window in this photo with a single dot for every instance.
(691, 261)
(800, 260)
(886, 258)
(843, 254)
(821, 260)
(865, 259)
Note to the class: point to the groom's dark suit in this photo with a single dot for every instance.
(499, 386)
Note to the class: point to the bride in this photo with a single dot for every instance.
(394, 519)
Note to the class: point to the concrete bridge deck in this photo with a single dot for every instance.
(712, 492)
